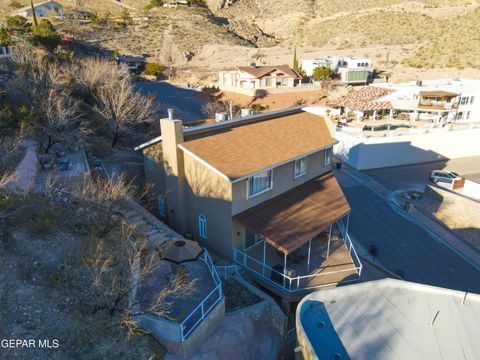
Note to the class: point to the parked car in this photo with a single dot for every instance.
(437, 176)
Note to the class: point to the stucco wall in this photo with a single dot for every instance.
(369, 153)
(209, 194)
(283, 180)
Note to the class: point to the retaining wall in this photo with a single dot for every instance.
(377, 152)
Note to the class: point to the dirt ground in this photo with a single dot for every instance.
(278, 100)
(458, 213)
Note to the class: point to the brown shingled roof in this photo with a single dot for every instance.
(364, 98)
(240, 151)
(291, 219)
(260, 71)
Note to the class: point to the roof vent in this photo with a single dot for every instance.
(337, 356)
(419, 83)
(321, 324)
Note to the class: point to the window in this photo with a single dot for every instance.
(202, 226)
(251, 239)
(471, 99)
(328, 156)
(161, 206)
(300, 167)
(468, 115)
(464, 100)
(260, 183)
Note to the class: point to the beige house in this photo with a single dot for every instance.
(258, 190)
(259, 77)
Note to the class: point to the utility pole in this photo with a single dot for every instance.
(35, 22)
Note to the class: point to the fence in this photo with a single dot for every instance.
(198, 314)
(286, 282)
(227, 270)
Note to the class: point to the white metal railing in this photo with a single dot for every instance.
(227, 270)
(288, 283)
(351, 249)
(198, 314)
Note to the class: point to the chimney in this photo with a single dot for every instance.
(173, 163)
(253, 65)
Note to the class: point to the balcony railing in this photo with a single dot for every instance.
(300, 283)
(198, 314)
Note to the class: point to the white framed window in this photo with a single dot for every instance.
(471, 99)
(300, 167)
(464, 100)
(161, 206)
(328, 156)
(260, 183)
(202, 226)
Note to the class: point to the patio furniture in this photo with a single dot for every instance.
(181, 250)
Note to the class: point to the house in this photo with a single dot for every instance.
(132, 62)
(308, 65)
(440, 99)
(259, 77)
(363, 102)
(435, 101)
(42, 9)
(258, 190)
(354, 70)
(389, 319)
(348, 70)
(176, 3)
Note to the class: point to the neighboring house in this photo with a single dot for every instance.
(42, 9)
(258, 190)
(364, 102)
(174, 4)
(132, 62)
(439, 101)
(472, 185)
(349, 70)
(389, 319)
(450, 99)
(259, 77)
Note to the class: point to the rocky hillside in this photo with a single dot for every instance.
(400, 35)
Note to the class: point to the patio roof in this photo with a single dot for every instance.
(438, 93)
(290, 220)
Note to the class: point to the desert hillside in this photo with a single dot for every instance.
(409, 39)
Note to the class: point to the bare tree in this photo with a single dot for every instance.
(122, 107)
(61, 113)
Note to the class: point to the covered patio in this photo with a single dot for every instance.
(300, 239)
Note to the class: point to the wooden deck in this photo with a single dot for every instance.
(332, 270)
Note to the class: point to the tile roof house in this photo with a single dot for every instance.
(259, 77)
(258, 190)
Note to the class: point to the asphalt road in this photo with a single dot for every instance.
(185, 102)
(403, 244)
(416, 176)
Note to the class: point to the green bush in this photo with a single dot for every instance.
(322, 73)
(44, 34)
(18, 23)
(5, 38)
(153, 3)
(154, 69)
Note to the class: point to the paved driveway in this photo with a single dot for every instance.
(404, 245)
(416, 176)
(185, 102)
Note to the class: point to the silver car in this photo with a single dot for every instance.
(437, 176)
